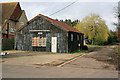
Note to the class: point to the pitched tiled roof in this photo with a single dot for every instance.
(55, 22)
(10, 10)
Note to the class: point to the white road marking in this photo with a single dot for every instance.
(71, 60)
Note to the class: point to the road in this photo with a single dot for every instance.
(83, 67)
(15, 71)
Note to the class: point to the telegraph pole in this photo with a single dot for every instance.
(0, 29)
(0, 39)
(0, 52)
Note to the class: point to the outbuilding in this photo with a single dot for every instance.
(45, 34)
(13, 17)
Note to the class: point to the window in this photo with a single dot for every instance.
(78, 37)
(42, 41)
(81, 37)
(39, 41)
(35, 41)
(21, 23)
(12, 30)
(71, 37)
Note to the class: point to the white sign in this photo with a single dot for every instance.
(40, 33)
(79, 44)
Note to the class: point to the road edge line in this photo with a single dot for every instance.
(71, 60)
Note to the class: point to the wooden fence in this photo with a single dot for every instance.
(8, 44)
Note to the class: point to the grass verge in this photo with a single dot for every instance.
(20, 51)
(95, 45)
(117, 58)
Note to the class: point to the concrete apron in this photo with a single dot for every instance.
(43, 60)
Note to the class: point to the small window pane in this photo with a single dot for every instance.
(81, 37)
(71, 37)
(21, 23)
(12, 30)
(78, 37)
(39, 41)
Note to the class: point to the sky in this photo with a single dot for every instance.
(78, 10)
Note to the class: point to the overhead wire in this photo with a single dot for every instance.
(63, 8)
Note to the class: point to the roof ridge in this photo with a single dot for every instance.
(46, 17)
(10, 3)
(55, 22)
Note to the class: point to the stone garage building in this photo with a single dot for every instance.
(45, 34)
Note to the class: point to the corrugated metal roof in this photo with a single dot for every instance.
(55, 22)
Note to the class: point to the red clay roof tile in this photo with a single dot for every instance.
(55, 22)
(10, 10)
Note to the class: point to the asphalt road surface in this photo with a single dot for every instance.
(15, 71)
(83, 67)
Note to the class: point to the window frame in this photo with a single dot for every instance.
(78, 37)
(81, 37)
(43, 42)
(22, 23)
(72, 36)
(39, 40)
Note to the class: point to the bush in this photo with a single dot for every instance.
(117, 58)
(99, 40)
(111, 39)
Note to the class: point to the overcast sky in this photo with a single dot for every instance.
(80, 9)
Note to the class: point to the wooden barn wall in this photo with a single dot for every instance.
(24, 38)
(18, 42)
(62, 42)
(74, 45)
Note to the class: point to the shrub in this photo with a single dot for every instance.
(117, 58)
(112, 38)
(99, 40)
